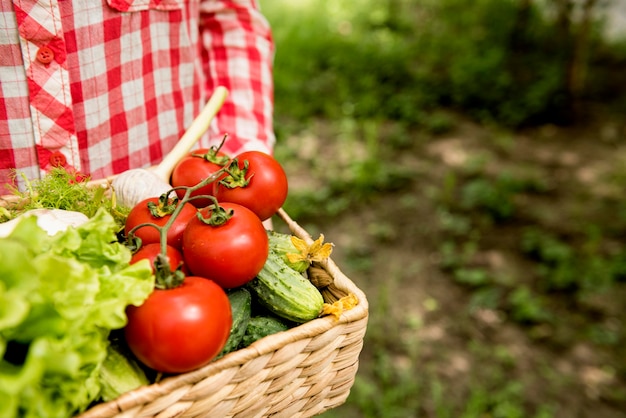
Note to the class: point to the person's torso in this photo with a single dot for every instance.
(100, 86)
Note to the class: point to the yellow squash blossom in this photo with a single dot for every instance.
(340, 306)
(318, 251)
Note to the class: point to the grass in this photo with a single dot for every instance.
(553, 291)
(394, 382)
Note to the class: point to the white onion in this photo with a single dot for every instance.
(50, 220)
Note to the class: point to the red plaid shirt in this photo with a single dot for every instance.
(102, 86)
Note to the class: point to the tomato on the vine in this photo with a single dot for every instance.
(257, 181)
(152, 250)
(193, 169)
(230, 247)
(157, 211)
(180, 329)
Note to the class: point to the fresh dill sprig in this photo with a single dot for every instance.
(60, 189)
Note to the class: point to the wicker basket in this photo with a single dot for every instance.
(301, 372)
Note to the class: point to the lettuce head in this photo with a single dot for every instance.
(60, 298)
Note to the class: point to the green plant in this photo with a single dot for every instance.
(565, 267)
(493, 196)
(473, 277)
(361, 170)
(527, 307)
(401, 60)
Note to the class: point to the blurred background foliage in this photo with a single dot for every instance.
(513, 62)
(468, 159)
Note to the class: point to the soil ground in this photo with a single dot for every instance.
(390, 247)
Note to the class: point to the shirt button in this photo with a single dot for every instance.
(57, 159)
(45, 55)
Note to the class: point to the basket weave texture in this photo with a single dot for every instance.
(301, 372)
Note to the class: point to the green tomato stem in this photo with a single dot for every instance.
(174, 279)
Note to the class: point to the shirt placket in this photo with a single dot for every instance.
(44, 53)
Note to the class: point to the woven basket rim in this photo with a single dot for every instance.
(261, 347)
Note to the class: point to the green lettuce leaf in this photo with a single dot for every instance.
(60, 297)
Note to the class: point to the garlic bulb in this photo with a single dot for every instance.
(133, 186)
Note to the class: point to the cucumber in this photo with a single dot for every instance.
(262, 326)
(120, 373)
(240, 306)
(281, 243)
(285, 292)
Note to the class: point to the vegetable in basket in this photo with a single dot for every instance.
(194, 168)
(60, 297)
(262, 326)
(227, 243)
(120, 373)
(241, 308)
(158, 211)
(255, 180)
(286, 292)
(296, 253)
(50, 220)
(182, 328)
(186, 321)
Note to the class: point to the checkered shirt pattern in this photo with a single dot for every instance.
(103, 86)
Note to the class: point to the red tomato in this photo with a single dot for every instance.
(141, 213)
(150, 252)
(194, 168)
(261, 187)
(232, 253)
(180, 329)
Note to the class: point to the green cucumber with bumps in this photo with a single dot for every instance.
(241, 308)
(285, 292)
(282, 244)
(262, 326)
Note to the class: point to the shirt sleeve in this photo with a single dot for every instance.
(237, 53)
